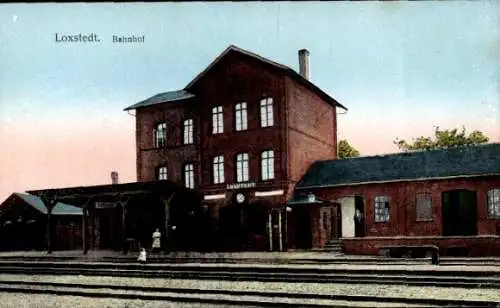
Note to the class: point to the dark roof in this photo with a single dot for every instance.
(166, 97)
(59, 209)
(78, 196)
(289, 71)
(467, 161)
(301, 198)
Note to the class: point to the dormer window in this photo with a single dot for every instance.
(160, 135)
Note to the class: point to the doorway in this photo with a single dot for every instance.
(459, 212)
(303, 230)
(336, 221)
(359, 216)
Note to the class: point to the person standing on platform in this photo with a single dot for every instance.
(142, 255)
(156, 246)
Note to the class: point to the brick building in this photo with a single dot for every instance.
(449, 198)
(23, 224)
(242, 132)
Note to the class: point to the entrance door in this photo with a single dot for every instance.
(303, 230)
(459, 212)
(276, 230)
(336, 229)
(359, 216)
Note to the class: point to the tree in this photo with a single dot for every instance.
(345, 150)
(443, 139)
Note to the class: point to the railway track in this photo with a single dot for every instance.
(448, 278)
(228, 297)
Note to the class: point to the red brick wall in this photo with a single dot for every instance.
(304, 126)
(311, 125)
(236, 79)
(478, 246)
(402, 204)
(176, 153)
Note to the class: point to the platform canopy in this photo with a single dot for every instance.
(80, 196)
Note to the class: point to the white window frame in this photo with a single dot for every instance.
(188, 131)
(241, 116)
(162, 173)
(382, 209)
(266, 112)
(493, 201)
(160, 135)
(242, 168)
(217, 120)
(267, 165)
(189, 175)
(423, 206)
(218, 169)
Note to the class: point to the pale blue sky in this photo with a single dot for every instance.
(400, 67)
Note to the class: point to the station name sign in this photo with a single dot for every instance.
(105, 205)
(241, 185)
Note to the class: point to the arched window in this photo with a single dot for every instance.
(218, 169)
(188, 131)
(189, 175)
(160, 135)
(241, 121)
(494, 203)
(217, 120)
(162, 173)
(242, 167)
(267, 165)
(266, 112)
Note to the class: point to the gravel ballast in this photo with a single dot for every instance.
(315, 288)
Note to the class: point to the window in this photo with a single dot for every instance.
(188, 131)
(494, 203)
(162, 173)
(266, 112)
(423, 206)
(241, 116)
(382, 209)
(160, 135)
(242, 167)
(267, 165)
(217, 120)
(218, 169)
(189, 175)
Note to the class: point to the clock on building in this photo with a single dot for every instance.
(240, 198)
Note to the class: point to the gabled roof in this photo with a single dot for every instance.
(59, 209)
(185, 94)
(166, 97)
(289, 71)
(467, 161)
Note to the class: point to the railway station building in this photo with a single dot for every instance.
(244, 158)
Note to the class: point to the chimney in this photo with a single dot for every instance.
(304, 63)
(114, 177)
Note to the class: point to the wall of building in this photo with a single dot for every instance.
(402, 204)
(175, 154)
(240, 79)
(477, 246)
(312, 129)
(347, 210)
(403, 222)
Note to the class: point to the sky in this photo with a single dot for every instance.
(401, 68)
